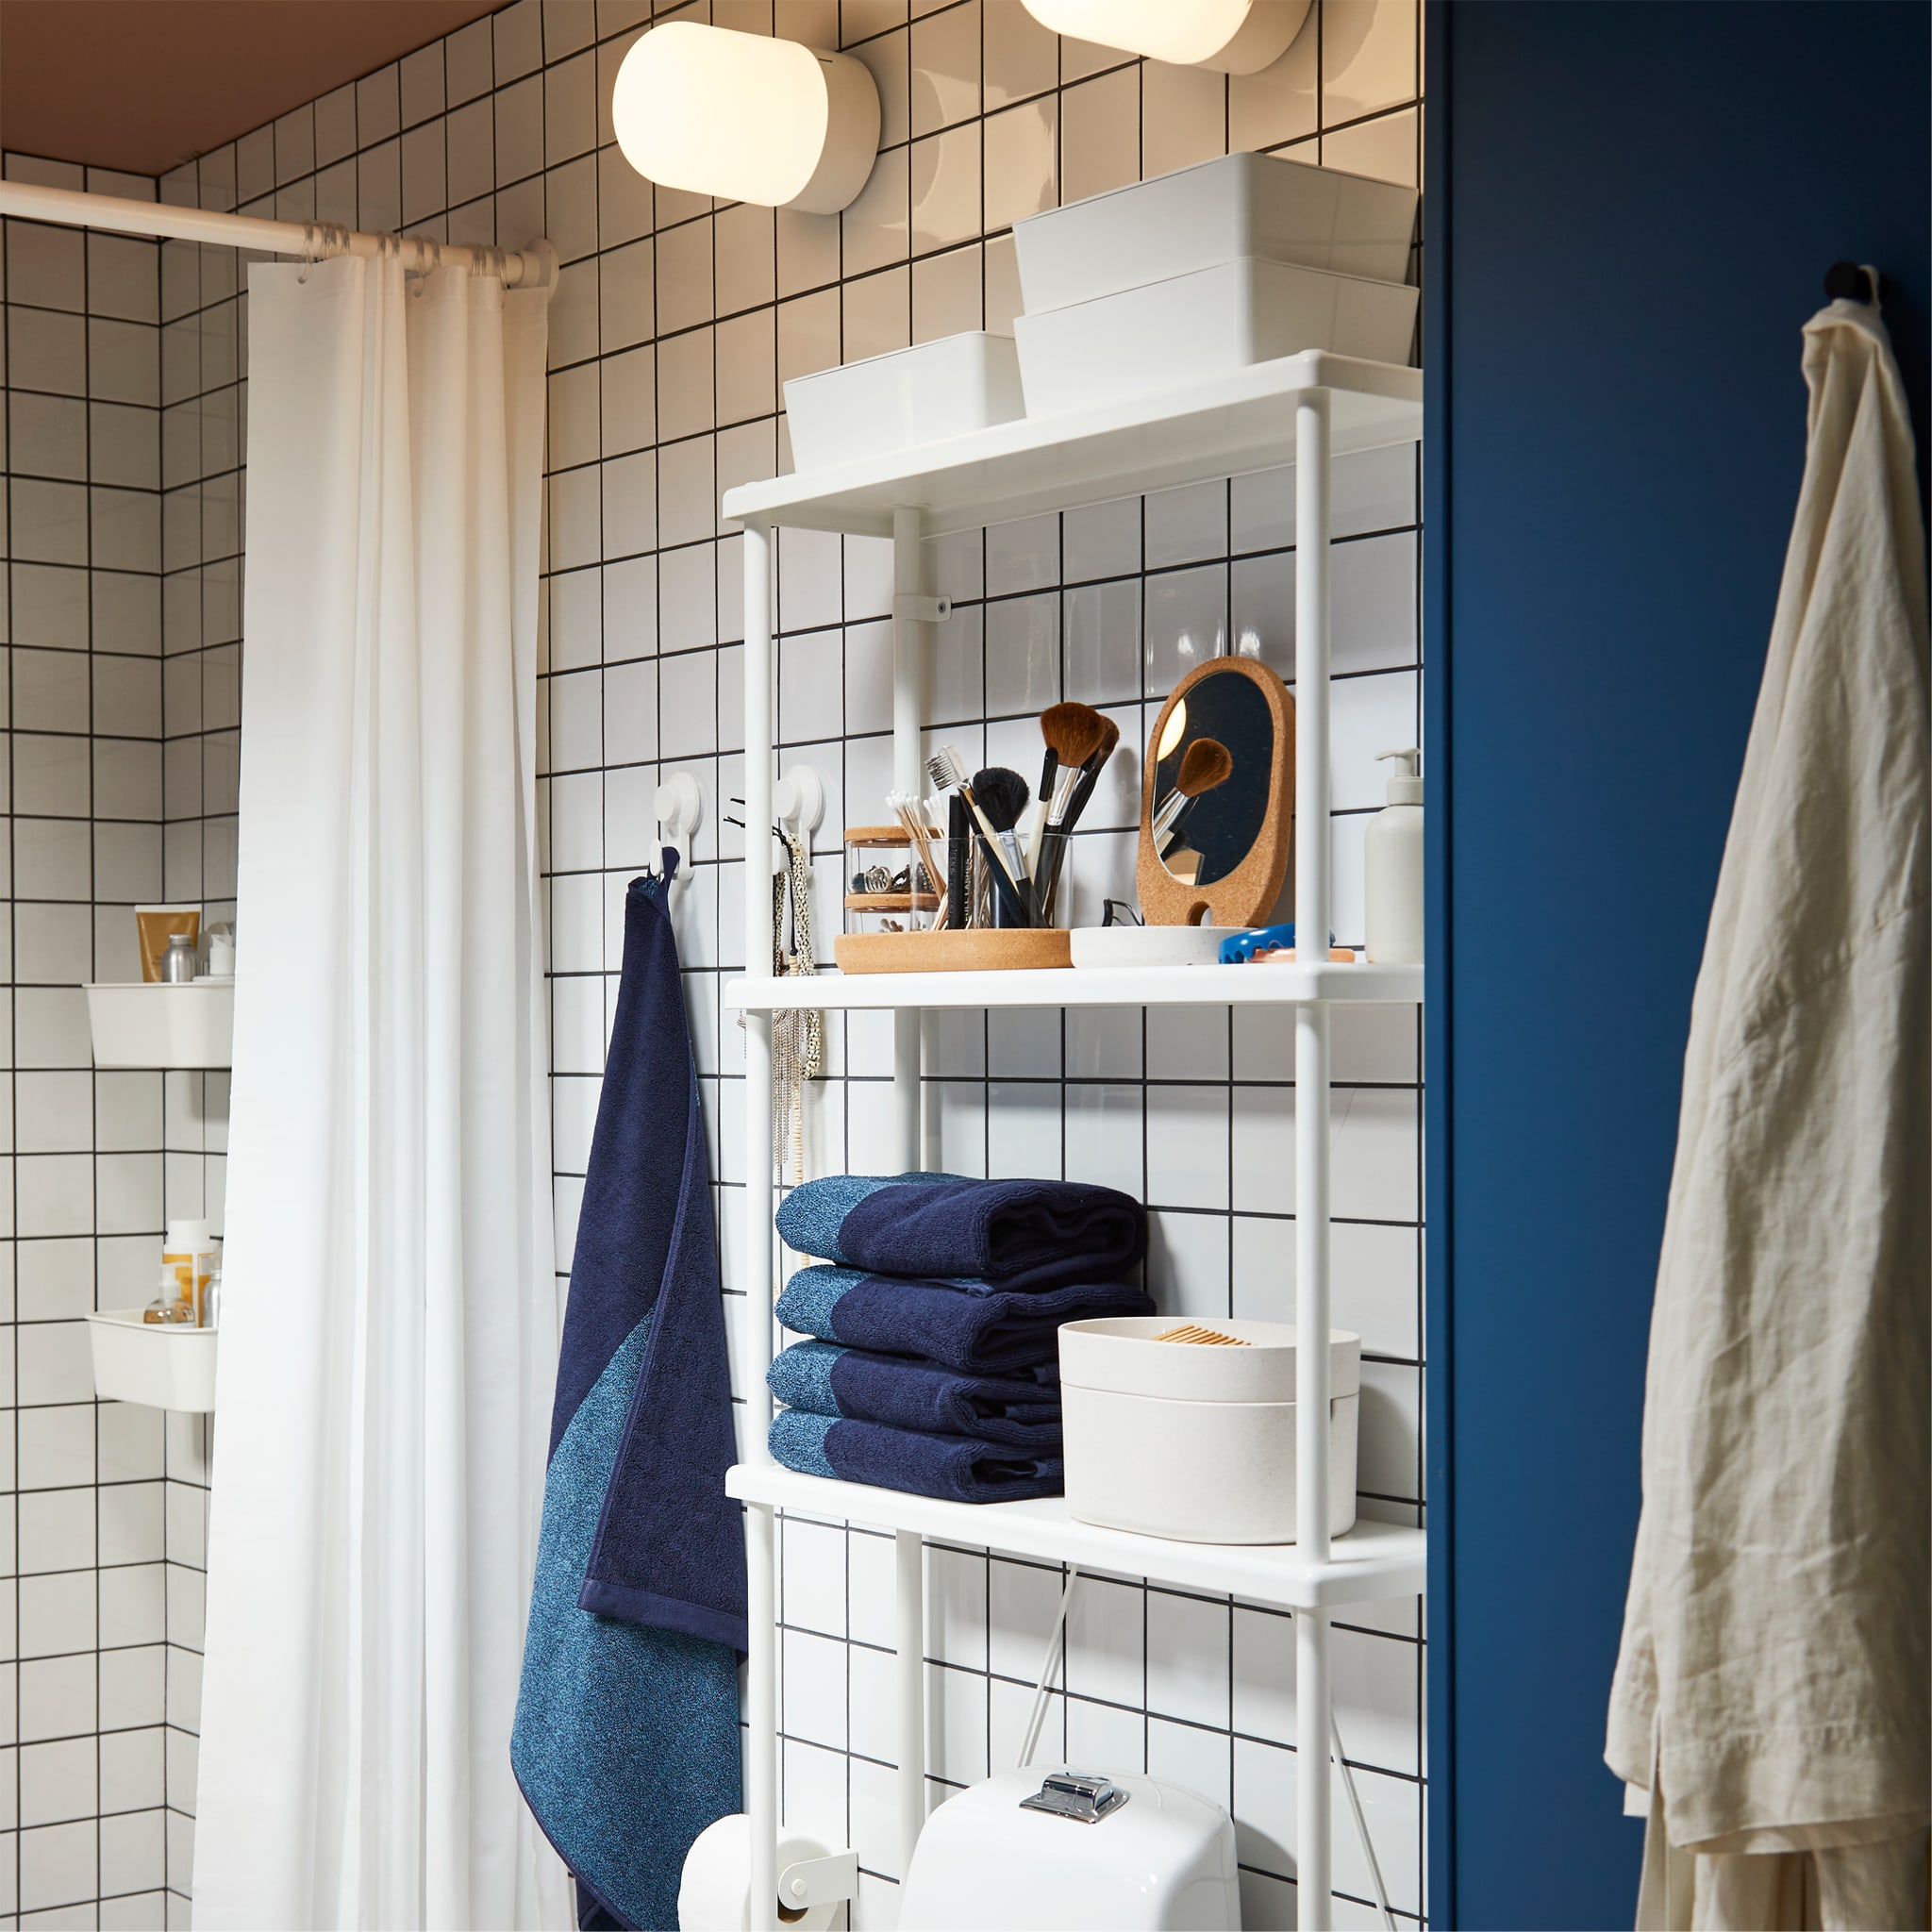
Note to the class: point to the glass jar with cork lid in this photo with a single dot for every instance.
(887, 888)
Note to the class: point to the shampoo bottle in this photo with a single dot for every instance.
(1393, 912)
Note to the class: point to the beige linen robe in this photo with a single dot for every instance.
(1772, 1690)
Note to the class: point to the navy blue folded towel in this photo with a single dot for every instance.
(1014, 1234)
(971, 1326)
(959, 1469)
(626, 1742)
(1022, 1409)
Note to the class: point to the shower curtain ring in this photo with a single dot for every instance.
(310, 242)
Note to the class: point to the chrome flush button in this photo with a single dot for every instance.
(1076, 1794)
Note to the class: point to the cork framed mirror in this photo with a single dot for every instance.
(1217, 797)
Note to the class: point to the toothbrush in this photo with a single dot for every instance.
(949, 775)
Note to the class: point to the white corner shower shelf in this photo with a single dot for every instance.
(163, 1364)
(1228, 425)
(1372, 1563)
(1087, 985)
(150, 1024)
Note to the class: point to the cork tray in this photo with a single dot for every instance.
(995, 949)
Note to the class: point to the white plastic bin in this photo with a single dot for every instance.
(164, 1364)
(1147, 339)
(1197, 1443)
(1217, 211)
(151, 1024)
(904, 398)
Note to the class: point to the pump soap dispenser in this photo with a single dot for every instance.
(1394, 913)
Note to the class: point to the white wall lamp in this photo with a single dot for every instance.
(746, 118)
(1230, 36)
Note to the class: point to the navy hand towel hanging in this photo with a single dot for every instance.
(627, 1740)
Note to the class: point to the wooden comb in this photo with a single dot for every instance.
(1204, 1338)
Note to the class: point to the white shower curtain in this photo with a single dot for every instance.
(388, 1329)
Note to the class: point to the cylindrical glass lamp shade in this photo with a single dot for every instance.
(746, 117)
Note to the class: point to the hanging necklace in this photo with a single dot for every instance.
(798, 1033)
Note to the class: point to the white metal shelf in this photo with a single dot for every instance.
(1300, 410)
(1228, 425)
(1373, 1563)
(1087, 985)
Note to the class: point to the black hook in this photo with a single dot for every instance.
(1848, 281)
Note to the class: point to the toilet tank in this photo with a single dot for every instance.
(1030, 1851)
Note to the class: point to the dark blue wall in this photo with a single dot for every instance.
(1630, 211)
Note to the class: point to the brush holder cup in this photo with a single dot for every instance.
(885, 886)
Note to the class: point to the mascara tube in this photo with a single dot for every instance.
(958, 843)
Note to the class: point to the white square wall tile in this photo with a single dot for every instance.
(814, 1581)
(133, 1688)
(56, 1613)
(133, 1605)
(132, 1770)
(57, 1866)
(1187, 1659)
(814, 1689)
(56, 1697)
(57, 1530)
(1106, 1635)
(58, 1782)
(134, 1851)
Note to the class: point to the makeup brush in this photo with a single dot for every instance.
(1072, 731)
(1204, 764)
(949, 775)
(1002, 797)
(1067, 805)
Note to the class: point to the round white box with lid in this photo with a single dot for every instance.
(1197, 1443)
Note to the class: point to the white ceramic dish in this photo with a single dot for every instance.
(1259, 204)
(164, 1364)
(1146, 339)
(1147, 945)
(150, 1024)
(903, 398)
(1197, 1444)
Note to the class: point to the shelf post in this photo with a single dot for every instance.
(908, 774)
(1312, 909)
(754, 1351)
(909, 1642)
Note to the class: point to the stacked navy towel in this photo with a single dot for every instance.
(936, 1316)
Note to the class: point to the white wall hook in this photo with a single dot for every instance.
(798, 801)
(680, 810)
(819, 1881)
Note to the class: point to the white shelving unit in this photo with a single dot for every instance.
(1303, 409)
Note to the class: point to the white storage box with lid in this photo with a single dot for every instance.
(1156, 337)
(1216, 212)
(905, 397)
(1163, 1857)
(1196, 1441)
(165, 1364)
(147, 1024)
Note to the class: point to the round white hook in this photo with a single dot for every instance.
(680, 807)
(798, 800)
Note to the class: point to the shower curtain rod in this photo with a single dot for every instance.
(532, 268)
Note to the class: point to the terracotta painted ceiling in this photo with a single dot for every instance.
(142, 85)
